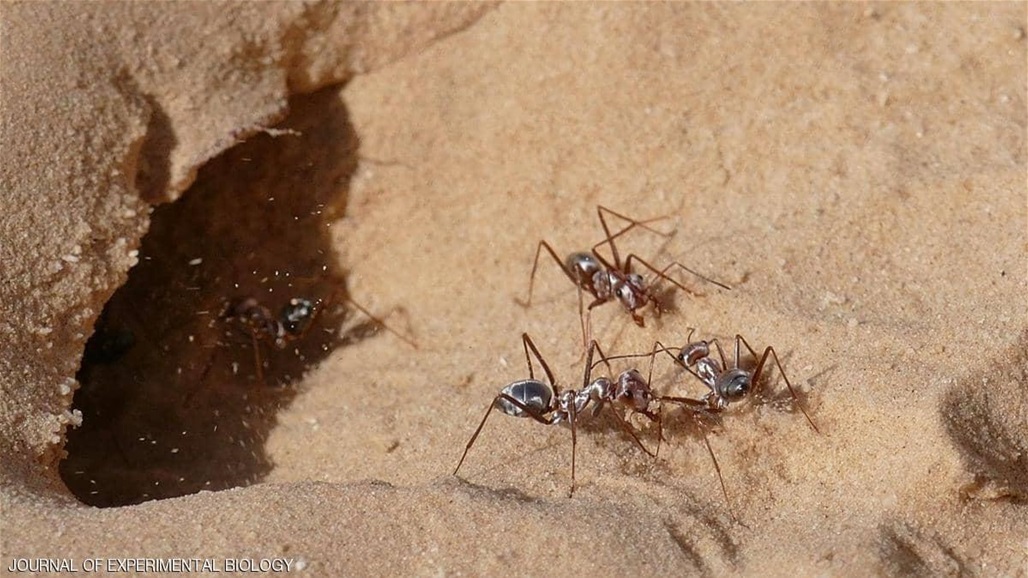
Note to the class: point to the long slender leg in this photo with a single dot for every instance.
(526, 341)
(589, 314)
(721, 353)
(474, 436)
(696, 406)
(528, 411)
(257, 358)
(573, 418)
(589, 364)
(649, 381)
(621, 420)
(662, 274)
(662, 348)
(408, 340)
(770, 351)
(695, 273)
(628, 428)
(535, 265)
(717, 468)
(583, 319)
(644, 223)
(600, 209)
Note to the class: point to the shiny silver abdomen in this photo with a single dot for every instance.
(530, 392)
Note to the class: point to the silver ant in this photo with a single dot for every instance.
(612, 280)
(728, 383)
(293, 321)
(546, 404)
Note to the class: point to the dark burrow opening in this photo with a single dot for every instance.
(171, 395)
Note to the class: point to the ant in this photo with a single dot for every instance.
(292, 322)
(546, 404)
(728, 383)
(612, 280)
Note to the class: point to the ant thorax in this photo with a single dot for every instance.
(709, 371)
(629, 289)
(569, 399)
(597, 391)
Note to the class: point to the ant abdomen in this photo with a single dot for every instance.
(733, 384)
(531, 393)
(582, 267)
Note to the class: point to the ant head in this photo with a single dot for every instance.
(734, 384)
(296, 315)
(631, 291)
(633, 391)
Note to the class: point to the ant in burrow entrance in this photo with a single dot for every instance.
(546, 404)
(612, 280)
(292, 323)
(728, 383)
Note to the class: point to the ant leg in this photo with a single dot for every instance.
(408, 340)
(589, 314)
(645, 223)
(649, 380)
(693, 404)
(637, 355)
(584, 319)
(681, 364)
(628, 429)
(529, 411)
(474, 436)
(770, 351)
(717, 468)
(661, 274)
(600, 209)
(589, 365)
(573, 413)
(721, 352)
(696, 406)
(621, 419)
(257, 358)
(527, 343)
(697, 274)
(535, 266)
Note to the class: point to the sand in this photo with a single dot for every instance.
(855, 173)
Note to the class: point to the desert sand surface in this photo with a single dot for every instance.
(856, 173)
